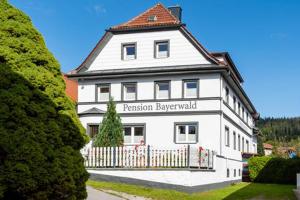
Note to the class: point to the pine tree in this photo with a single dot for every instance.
(111, 129)
(260, 147)
(40, 133)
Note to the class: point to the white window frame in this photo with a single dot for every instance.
(184, 88)
(227, 93)
(157, 53)
(227, 136)
(132, 127)
(234, 140)
(186, 124)
(124, 98)
(239, 142)
(124, 47)
(98, 91)
(234, 103)
(156, 89)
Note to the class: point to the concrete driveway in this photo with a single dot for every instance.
(94, 194)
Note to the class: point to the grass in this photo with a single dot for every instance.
(239, 191)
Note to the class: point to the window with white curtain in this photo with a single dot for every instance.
(129, 91)
(190, 89)
(162, 90)
(186, 132)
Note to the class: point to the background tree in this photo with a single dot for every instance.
(111, 129)
(40, 134)
(260, 147)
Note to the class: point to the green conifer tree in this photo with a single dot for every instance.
(260, 147)
(111, 129)
(40, 133)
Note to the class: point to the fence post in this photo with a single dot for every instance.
(114, 157)
(188, 156)
(148, 155)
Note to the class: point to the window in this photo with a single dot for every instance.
(92, 130)
(227, 138)
(129, 51)
(247, 146)
(239, 142)
(134, 134)
(190, 89)
(103, 93)
(162, 49)
(239, 108)
(228, 173)
(234, 173)
(239, 172)
(129, 91)
(227, 95)
(243, 144)
(234, 104)
(243, 113)
(186, 132)
(234, 140)
(247, 117)
(162, 90)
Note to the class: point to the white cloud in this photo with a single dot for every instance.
(99, 9)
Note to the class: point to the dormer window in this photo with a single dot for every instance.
(162, 49)
(129, 51)
(152, 18)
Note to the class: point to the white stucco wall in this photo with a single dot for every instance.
(182, 52)
(182, 177)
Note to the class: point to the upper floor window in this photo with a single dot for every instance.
(243, 113)
(190, 88)
(161, 49)
(134, 134)
(129, 51)
(243, 144)
(239, 143)
(227, 95)
(227, 137)
(239, 108)
(247, 146)
(103, 92)
(247, 117)
(234, 140)
(129, 91)
(234, 104)
(162, 90)
(186, 132)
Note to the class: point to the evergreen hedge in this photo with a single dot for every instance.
(40, 134)
(273, 170)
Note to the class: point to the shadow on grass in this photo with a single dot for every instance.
(263, 191)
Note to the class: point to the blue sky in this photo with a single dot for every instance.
(263, 38)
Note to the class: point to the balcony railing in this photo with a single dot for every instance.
(147, 156)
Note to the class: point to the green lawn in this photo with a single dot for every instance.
(234, 192)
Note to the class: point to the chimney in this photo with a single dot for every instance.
(176, 11)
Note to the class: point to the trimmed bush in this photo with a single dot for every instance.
(273, 170)
(40, 134)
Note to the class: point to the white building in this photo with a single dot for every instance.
(169, 91)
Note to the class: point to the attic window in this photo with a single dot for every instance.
(152, 18)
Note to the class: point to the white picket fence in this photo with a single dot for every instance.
(144, 157)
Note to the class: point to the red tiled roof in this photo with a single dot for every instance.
(163, 18)
(267, 146)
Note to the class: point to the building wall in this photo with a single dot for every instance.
(209, 86)
(182, 52)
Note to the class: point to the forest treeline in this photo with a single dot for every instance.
(280, 130)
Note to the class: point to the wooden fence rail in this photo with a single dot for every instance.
(146, 157)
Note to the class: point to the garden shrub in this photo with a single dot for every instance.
(40, 134)
(273, 170)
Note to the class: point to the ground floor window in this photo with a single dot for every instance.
(186, 132)
(134, 134)
(92, 130)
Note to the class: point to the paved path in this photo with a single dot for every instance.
(94, 194)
